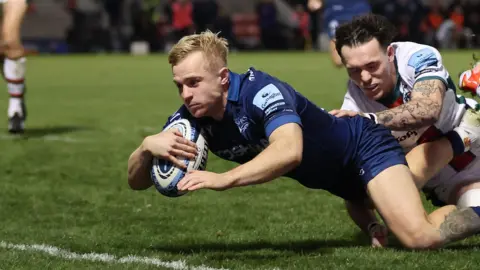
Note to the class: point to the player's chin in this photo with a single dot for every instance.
(375, 94)
(198, 112)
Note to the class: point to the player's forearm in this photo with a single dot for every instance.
(276, 160)
(361, 215)
(138, 169)
(412, 115)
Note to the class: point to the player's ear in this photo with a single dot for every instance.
(224, 76)
(391, 53)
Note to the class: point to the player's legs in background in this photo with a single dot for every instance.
(331, 26)
(14, 63)
(336, 60)
(398, 201)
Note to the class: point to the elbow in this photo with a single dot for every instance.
(295, 157)
(135, 184)
(138, 180)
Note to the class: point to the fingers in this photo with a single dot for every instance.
(196, 186)
(182, 153)
(186, 142)
(181, 184)
(341, 113)
(190, 181)
(334, 112)
(176, 162)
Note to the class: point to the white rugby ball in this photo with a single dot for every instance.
(165, 175)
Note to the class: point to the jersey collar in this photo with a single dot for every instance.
(395, 98)
(234, 87)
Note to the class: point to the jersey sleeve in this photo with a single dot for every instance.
(427, 65)
(181, 113)
(350, 104)
(272, 106)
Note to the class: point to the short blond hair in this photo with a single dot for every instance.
(214, 48)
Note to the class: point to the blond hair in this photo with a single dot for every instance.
(214, 48)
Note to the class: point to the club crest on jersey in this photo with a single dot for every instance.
(242, 123)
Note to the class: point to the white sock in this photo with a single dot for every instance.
(14, 71)
(15, 106)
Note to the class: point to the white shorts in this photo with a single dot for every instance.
(445, 182)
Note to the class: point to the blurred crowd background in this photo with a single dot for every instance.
(77, 26)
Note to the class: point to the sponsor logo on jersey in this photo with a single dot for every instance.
(267, 96)
(409, 134)
(239, 151)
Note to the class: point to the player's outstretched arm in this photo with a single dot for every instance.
(282, 155)
(168, 145)
(423, 110)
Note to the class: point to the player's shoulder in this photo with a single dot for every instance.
(257, 83)
(415, 56)
(413, 59)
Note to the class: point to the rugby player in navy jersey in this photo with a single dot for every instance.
(271, 130)
(335, 13)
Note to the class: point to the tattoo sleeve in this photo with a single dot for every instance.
(459, 224)
(423, 109)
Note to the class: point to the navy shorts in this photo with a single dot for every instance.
(375, 151)
(338, 14)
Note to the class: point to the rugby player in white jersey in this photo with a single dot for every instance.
(405, 87)
(14, 61)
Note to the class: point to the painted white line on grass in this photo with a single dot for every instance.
(104, 257)
(52, 138)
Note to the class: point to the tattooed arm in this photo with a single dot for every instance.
(422, 110)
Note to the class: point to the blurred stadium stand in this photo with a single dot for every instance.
(60, 26)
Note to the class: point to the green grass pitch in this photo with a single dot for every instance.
(64, 184)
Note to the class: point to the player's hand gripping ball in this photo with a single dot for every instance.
(166, 175)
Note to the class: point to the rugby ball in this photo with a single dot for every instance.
(165, 175)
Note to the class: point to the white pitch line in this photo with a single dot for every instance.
(103, 257)
(52, 138)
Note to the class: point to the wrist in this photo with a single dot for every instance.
(229, 179)
(144, 147)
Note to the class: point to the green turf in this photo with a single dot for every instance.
(64, 184)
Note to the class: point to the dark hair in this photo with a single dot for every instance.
(364, 28)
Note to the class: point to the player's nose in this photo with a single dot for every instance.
(366, 77)
(187, 94)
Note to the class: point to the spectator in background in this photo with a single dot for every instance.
(302, 34)
(182, 18)
(223, 23)
(116, 19)
(205, 13)
(270, 30)
(145, 15)
(472, 24)
(433, 20)
(87, 34)
(407, 15)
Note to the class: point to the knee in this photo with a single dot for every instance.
(11, 43)
(12, 49)
(419, 239)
